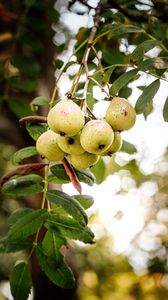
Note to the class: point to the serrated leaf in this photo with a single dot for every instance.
(140, 50)
(21, 186)
(165, 110)
(24, 153)
(68, 227)
(35, 130)
(27, 224)
(40, 101)
(20, 281)
(51, 245)
(19, 107)
(128, 147)
(122, 81)
(85, 200)
(147, 96)
(61, 276)
(99, 171)
(8, 246)
(69, 204)
(18, 213)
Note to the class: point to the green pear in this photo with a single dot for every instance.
(96, 136)
(120, 114)
(66, 118)
(115, 146)
(83, 161)
(70, 144)
(47, 146)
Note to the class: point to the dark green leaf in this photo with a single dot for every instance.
(68, 227)
(27, 224)
(21, 186)
(55, 179)
(107, 75)
(26, 85)
(69, 204)
(118, 30)
(147, 96)
(128, 147)
(19, 107)
(99, 171)
(35, 130)
(85, 176)
(85, 200)
(27, 65)
(113, 57)
(51, 245)
(122, 81)
(59, 172)
(8, 246)
(18, 213)
(40, 101)
(90, 100)
(157, 63)
(165, 110)
(61, 276)
(24, 153)
(20, 281)
(140, 50)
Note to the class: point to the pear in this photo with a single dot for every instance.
(47, 146)
(120, 114)
(84, 160)
(96, 136)
(66, 118)
(115, 146)
(70, 144)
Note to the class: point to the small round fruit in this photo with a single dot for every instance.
(66, 118)
(47, 146)
(115, 146)
(120, 114)
(96, 136)
(83, 161)
(70, 144)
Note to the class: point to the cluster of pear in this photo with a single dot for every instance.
(84, 142)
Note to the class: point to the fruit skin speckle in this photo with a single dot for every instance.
(120, 114)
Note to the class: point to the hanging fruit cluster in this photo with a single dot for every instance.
(84, 142)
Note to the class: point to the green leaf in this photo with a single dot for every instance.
(40, 101)
(113, 57)
(8, 246)
(27, 224)
(68, 227)
(69, 204)
(35, 130)
(61, 276)
(51, 245)
(19, 107)
(99, 171)
(85, 200)
(24, 153)
(128, 147)
(26, 85)
(18, 213)
(20, 281)
(27, 65)
(21, 186)
(118, 30)
(59, 172)
(122, 81)
(55, 179)
(140, 50)
(85, 176)
(165, 110)
(147, 96)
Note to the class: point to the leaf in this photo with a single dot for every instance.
(61, 276)
(59, 172)
(113, 57)
(122, 81)
(99, 171)
(140, 50)
(21, 186)
(19, 107)
(128, 147)
(55, 179)
(20, 281)
(68, 227)
(165, 110)
(118, 30)
(26, 85)
(40, 101)
(85, 176)
(27, 224)
(17, 214)
(24, 153)
(51, 245)
(8, 246)
(85, 200)
(147, 96)
(35, 130)
(27, 65)
(69, 204)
